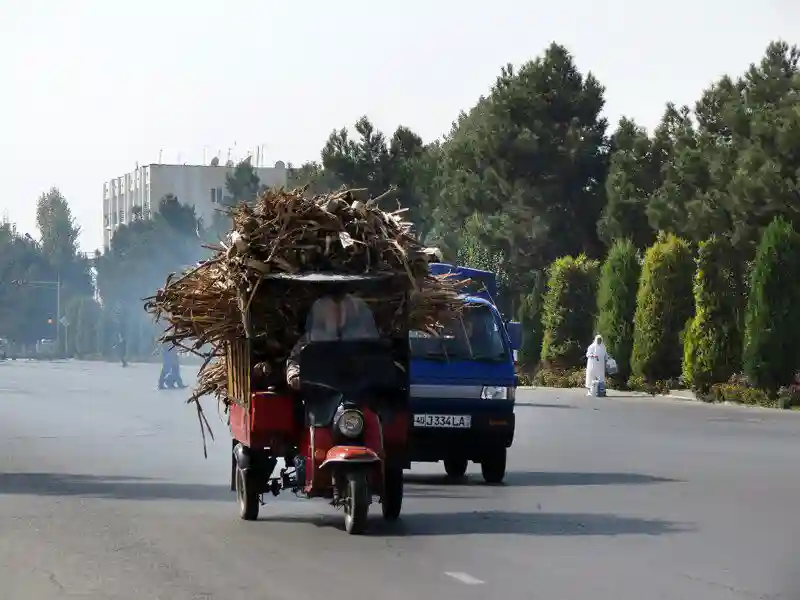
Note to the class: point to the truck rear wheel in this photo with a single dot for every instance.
(455, 467)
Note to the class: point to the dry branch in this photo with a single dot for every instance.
(227, 297)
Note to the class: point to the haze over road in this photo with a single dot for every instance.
(105, 494)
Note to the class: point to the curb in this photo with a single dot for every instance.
(675, 397)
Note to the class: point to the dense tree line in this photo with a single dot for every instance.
(530, 174)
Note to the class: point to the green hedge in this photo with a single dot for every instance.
(773, 309)
(573, 378)
(664, 306)
(616, 303)
(713, 345)
(568, 313)
(530, 318)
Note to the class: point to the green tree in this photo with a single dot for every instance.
(569, 311)
(772, 316)
(425, 168)
(530, 318)
(84, 316)
(141, 256)
(25, 307)
(663, 308)
(475, 254)
(732, 166)
(242, 184)
(58, 230)
(616, 302)
(531, 159)
(312, 174)
(359, 163)
(401, 164)
(713, 344)
(59, 234)
(634, 174)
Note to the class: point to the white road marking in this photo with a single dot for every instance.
(464, 578)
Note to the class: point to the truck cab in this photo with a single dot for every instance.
(463, 384)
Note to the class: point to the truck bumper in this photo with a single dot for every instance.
(488, 432)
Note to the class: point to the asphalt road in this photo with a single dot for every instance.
(105, 494)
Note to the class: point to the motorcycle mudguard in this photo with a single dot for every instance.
(350, 455)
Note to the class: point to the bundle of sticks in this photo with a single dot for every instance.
(234, 294)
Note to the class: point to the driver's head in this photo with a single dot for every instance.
(330, 312)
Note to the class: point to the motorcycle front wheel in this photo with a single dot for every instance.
(356, 506)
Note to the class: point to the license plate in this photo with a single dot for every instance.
(447, 421)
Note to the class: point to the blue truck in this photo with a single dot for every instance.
(463, 383)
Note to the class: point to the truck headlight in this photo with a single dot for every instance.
(496, 392)
(351, 423)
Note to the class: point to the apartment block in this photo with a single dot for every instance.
(202, 186)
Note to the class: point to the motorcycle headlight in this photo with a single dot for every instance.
(494, 392)
(351, 423)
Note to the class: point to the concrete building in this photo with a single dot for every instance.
(202, 186)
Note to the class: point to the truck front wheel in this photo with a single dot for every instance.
(493, 466)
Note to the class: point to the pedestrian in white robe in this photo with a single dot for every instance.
(596, 356)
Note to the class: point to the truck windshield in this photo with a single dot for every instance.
(475, 336)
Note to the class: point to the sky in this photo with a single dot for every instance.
(91, 87)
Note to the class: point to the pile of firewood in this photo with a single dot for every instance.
(231, 296)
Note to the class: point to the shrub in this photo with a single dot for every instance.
(525, 379)
(556, 378)
(663, 307)
(568, 311)
(640, 384)
(772, 318)
(738, 394)
(739, 390)
(713, 344)
(788, 397)
(616, 303)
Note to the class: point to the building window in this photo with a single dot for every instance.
(105, 220)
(219, 195)
(213, 196)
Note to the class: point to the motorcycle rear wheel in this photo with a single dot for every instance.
(248, 498)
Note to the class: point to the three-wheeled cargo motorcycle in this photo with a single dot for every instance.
(343, 434)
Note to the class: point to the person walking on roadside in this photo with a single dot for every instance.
(170, 368)
(596, 356)
(122, 349)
